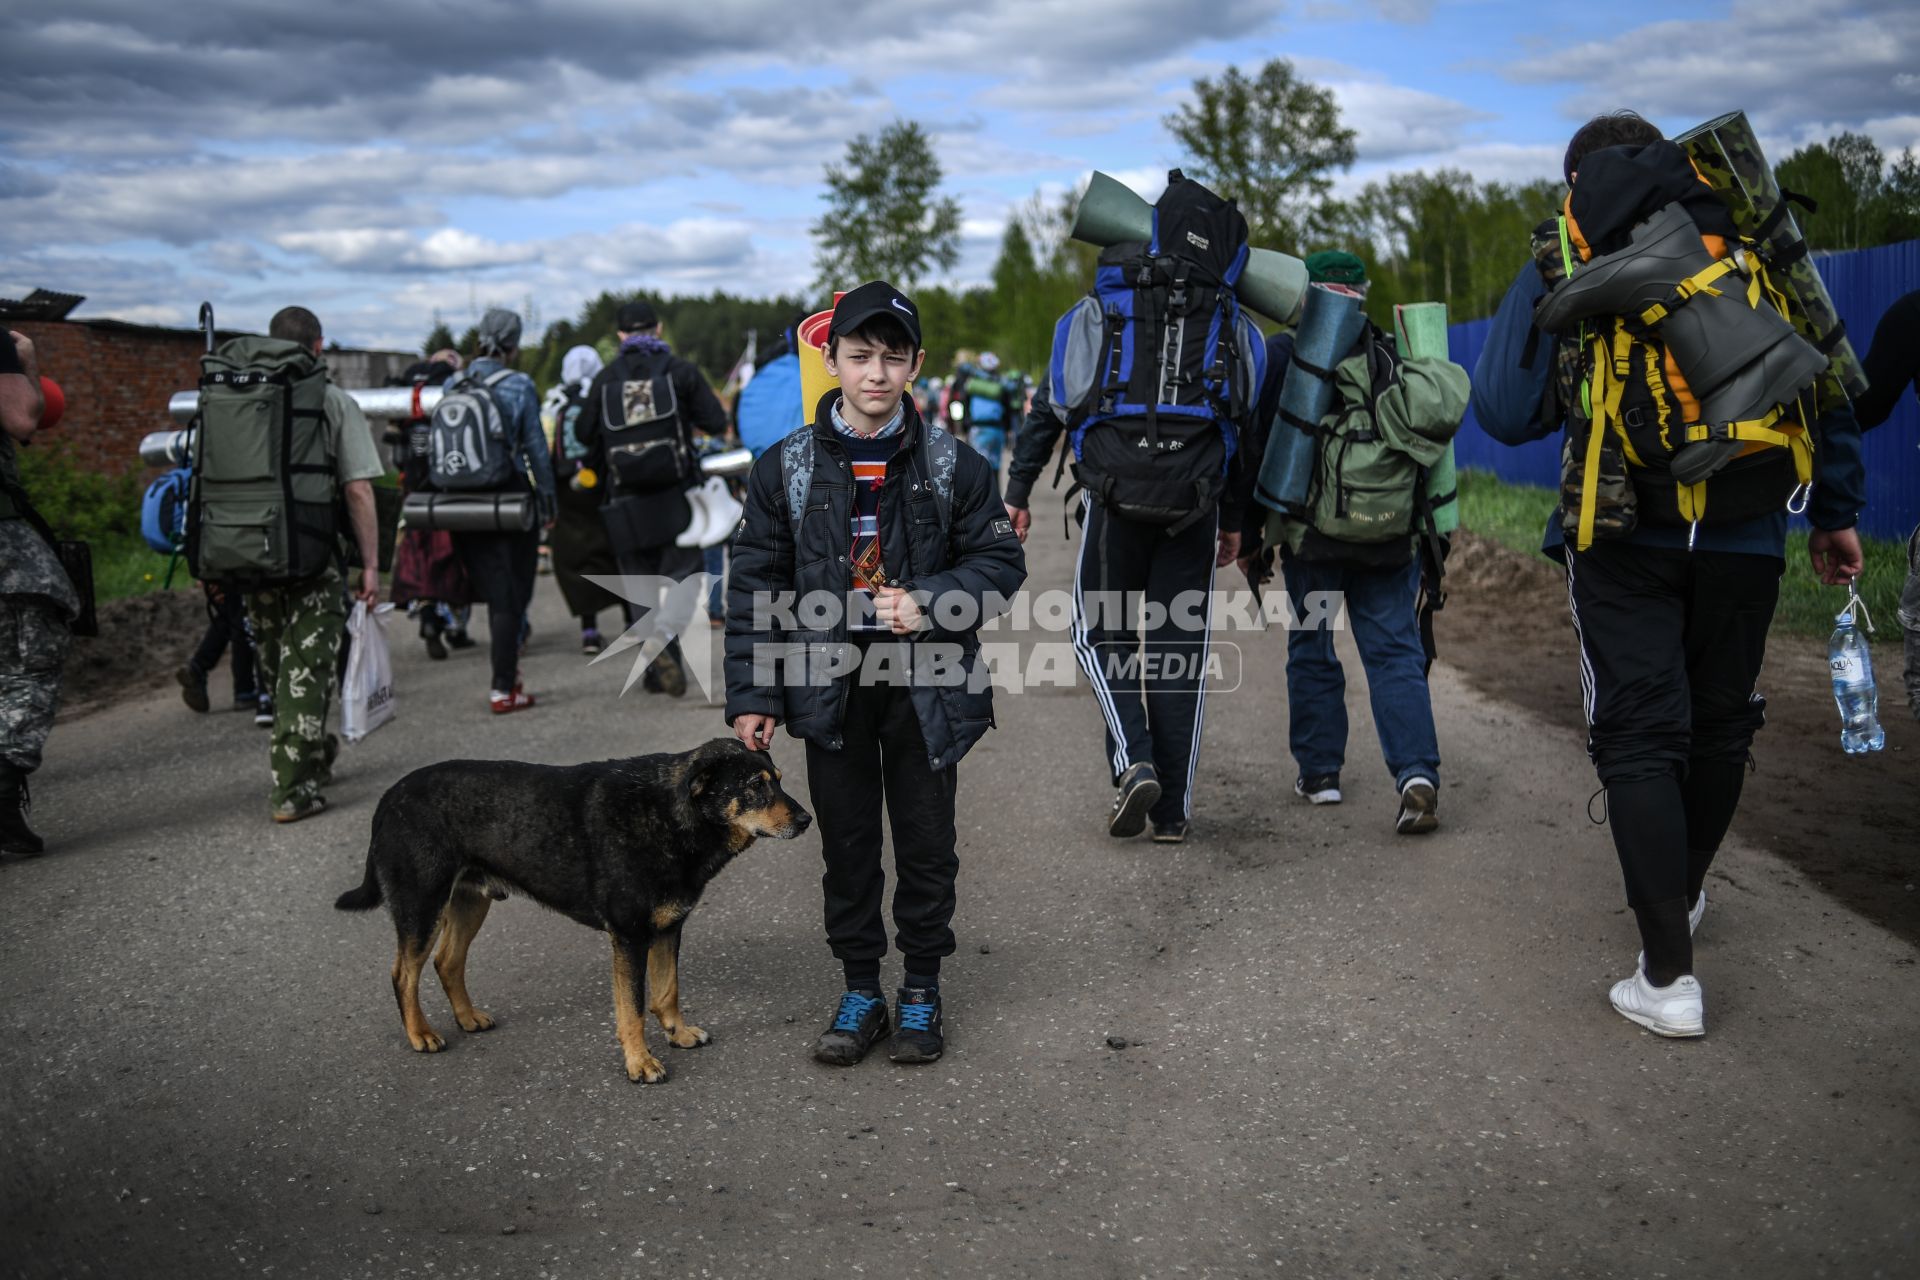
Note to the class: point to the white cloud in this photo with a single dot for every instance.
(1781, 59)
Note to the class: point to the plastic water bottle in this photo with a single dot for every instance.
(1853, 689)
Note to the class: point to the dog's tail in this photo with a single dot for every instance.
(365, 897)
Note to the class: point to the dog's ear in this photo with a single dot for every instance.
(703, 764)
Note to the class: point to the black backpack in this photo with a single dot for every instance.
(646, 439)
(1154, 369)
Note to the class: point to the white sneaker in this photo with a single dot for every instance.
(1699, 910)
(1676, 1010)
(1323, 788)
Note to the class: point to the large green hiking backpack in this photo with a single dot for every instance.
(264, 510)
(1390, 426)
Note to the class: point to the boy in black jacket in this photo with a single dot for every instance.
(862, 529)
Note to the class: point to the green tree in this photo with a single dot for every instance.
(1271, 142)
(439, 338)
(1437, 237)
(1902, 197)
(884, 218)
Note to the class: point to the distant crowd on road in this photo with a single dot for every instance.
(1658, 323)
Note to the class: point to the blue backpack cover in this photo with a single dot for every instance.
(1155, 370)
(769, 407)
(163, 511)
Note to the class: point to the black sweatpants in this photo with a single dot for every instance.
(227, 625)
(1152, 695)
(883, 760)
(677, 563)
(501, 570)
(1671, 644)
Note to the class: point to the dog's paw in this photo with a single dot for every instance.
(428, 1041)
(646, 1070)
(688, 1036)
(475, 1021)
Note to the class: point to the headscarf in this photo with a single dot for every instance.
(579, 365)
(499, 331)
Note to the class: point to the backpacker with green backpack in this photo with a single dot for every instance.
(264, 510)
(1376, 455)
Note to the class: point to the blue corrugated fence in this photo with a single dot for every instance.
(1863, 284)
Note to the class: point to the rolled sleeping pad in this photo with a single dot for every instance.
(1111, 213)
(734, 462)
(469, 512)
(1728, 156)
(166, 448)
(404, 403)
(1330, 323)
(1739, 360)
(1420, 330)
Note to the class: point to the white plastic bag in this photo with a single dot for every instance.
(366, 691)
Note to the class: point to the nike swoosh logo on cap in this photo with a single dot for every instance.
(903, 306)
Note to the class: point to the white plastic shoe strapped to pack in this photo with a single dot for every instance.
(715, 513)
(366, 691)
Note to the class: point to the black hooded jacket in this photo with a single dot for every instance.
(977, 556)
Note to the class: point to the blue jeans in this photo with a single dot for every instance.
(714, 561)
(1380, 609)
(989, 442)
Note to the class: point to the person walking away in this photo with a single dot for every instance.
(502, 566)
(296, 599)
(1392, 422)
(641, 414)
(921, 521)
(427, 575)
(38, 603)
(226, 626)
(1671, 613)
(993, 407)
(1892, 367)
(1163, 488)
(579, 537)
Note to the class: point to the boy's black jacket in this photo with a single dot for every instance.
(978, 555)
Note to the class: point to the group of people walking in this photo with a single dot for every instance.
(1173, 412)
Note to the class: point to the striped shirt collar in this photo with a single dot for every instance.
(895, 425)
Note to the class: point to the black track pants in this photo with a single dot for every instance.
(1152, 695)
(1671, 644)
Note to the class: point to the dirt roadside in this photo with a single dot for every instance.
(1843, 820)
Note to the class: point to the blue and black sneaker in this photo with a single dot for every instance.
(860, 1020)
(918, 1037)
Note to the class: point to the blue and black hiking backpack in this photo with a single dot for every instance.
(1155, 368)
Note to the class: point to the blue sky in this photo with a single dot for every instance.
(381, 161)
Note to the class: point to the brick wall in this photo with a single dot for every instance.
(118, 382)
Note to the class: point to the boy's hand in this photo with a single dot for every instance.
(756, 732)
(1021, 518)
(897, 611)
(1229, 550)
(1836, 555)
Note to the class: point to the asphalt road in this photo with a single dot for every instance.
(1345, 1053)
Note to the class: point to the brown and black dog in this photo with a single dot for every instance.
(623, 846)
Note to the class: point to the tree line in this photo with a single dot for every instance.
(1274, 142)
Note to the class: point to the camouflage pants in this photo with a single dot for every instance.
(297, 632)
(33, 646)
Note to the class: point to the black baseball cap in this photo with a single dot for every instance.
(875, 298)
(635, 316)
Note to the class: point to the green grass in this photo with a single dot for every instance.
(126, 566)
(1515, 514)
